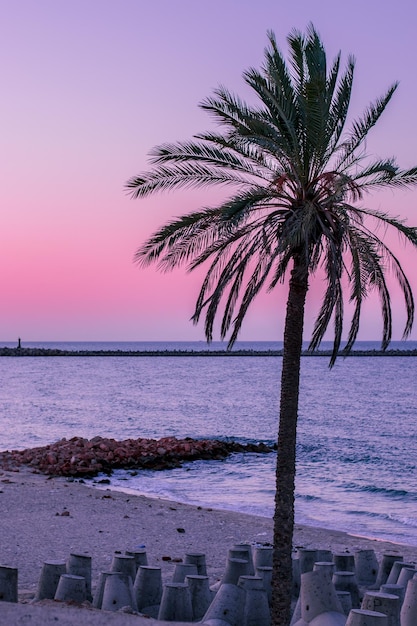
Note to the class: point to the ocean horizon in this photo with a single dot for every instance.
(197, 346)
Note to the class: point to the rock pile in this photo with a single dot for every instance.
(79, 457)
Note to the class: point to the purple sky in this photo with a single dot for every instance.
(90, 86)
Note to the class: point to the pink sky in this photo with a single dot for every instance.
(90, 86)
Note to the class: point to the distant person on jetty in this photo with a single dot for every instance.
(19, 345)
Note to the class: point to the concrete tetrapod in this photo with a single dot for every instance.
(303, 562)
(409, 607)
(384, 569)
(140, 556)
(265, 573)
(235, 568)
(244, 551)
(366, 567)
(345, 600)
(80, 565)
(198, 559)
(251, 582)
(262, 556)
(148, 586)
(326, 569)
(360, 617)
(318, 595)
(256, 611)
(227, 607)
(396, 571)
(118, 592)
(181, 570)
(383, 603)
(49, 578)
(324, 556)
(346, 581)
(306, 559)
(8, 584)
(405, 575)
(296, 578)
(201, 595)
(98, 594)
(176, 603)
(396, 590)
(124, 563)
(71, 588)
(344, 562)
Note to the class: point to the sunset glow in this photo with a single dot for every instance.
(90, 87)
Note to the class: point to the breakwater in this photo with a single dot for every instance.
(54, 352)
(89, 457)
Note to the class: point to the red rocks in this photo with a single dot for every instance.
(83, 457)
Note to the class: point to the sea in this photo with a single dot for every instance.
(357, 428)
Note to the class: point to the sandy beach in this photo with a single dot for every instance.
(49, 518)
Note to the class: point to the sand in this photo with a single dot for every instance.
(48, 518)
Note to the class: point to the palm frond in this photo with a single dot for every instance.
(217, 157)
(401, 179)
(258, 157)
(182, 239)
(280, 112)
(330, 304)
(187, 175)
(253, 288)
(338, 107)
(409, 233)
(362, 126)
(230, 111)
(338, 323)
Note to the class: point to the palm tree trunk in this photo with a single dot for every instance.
(285, 469)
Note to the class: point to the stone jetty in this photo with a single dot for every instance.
(80, 457)
(57, 352)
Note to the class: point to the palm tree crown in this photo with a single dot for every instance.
(296, 182)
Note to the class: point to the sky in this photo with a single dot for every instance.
(90, 86)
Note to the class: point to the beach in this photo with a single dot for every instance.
(48, 518)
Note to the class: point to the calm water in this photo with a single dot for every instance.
(357, 426)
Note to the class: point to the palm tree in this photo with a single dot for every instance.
(297, 183)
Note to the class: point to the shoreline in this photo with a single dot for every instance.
(48, 518)
(98, 460)
(305, 527)
(99, 485)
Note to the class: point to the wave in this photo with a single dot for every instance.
(401, 519)
(389, 492)
(406, 521)
(243, 440)
(307, 497)
(360, 458)
(370, 514)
